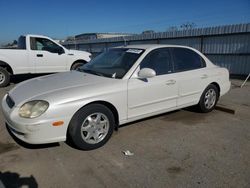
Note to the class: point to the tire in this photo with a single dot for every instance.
(4, 77)
(76, 65)
(209, 99)
(84, 130)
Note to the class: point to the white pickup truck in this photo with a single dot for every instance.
(38, 54)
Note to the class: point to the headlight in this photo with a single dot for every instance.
(33, 109)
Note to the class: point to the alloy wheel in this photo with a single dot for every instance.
(95, 128)
(210, 98)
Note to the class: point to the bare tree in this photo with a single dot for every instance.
(148, 32)
(14, 42)
(173, 28)
(188, 25)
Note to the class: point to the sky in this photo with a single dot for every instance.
(61, 18)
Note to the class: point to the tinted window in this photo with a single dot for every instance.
(43, 44)
(159, 60)
(21, 42)
(186, 59)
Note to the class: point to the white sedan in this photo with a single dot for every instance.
(119, 86)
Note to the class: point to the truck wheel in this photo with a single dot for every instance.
(76, 65)
(4, 77)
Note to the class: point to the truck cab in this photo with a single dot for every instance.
(38, 54)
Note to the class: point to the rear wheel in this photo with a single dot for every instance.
(91, 127)
(4, 77)
(209, 99)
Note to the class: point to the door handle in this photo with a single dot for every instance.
(204, 76)
(170, 82)
(39, 55)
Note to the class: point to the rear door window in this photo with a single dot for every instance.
(186, 59)
(21, 42)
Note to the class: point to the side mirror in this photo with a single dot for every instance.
(146, 73)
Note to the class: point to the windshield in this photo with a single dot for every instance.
(113, 63)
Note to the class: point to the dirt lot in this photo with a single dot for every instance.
(177, 149)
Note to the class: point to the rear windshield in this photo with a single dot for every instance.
(21, 42)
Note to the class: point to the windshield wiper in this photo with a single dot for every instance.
(92, 72)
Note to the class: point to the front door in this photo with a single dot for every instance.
(45, 57)
(153, 95)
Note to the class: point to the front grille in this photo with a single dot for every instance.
(10, 102)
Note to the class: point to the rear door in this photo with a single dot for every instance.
(153, 95)
(192, 76)
(45, 57)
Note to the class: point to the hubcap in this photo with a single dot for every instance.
(210, 98)
(95, 128)
(2, 77)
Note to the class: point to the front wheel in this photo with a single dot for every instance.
(208, 99)
(4, 77)
(76, 65)
(91, 127)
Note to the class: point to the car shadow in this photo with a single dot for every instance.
(30, 146)
(147, 118)
(193, 109)
(14, 180)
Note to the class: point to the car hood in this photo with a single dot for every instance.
(59, 84)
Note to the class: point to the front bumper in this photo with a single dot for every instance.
(34, 131)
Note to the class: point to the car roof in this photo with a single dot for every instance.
(34, 35)
(151, 46)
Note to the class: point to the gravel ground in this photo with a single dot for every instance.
(177, 149)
